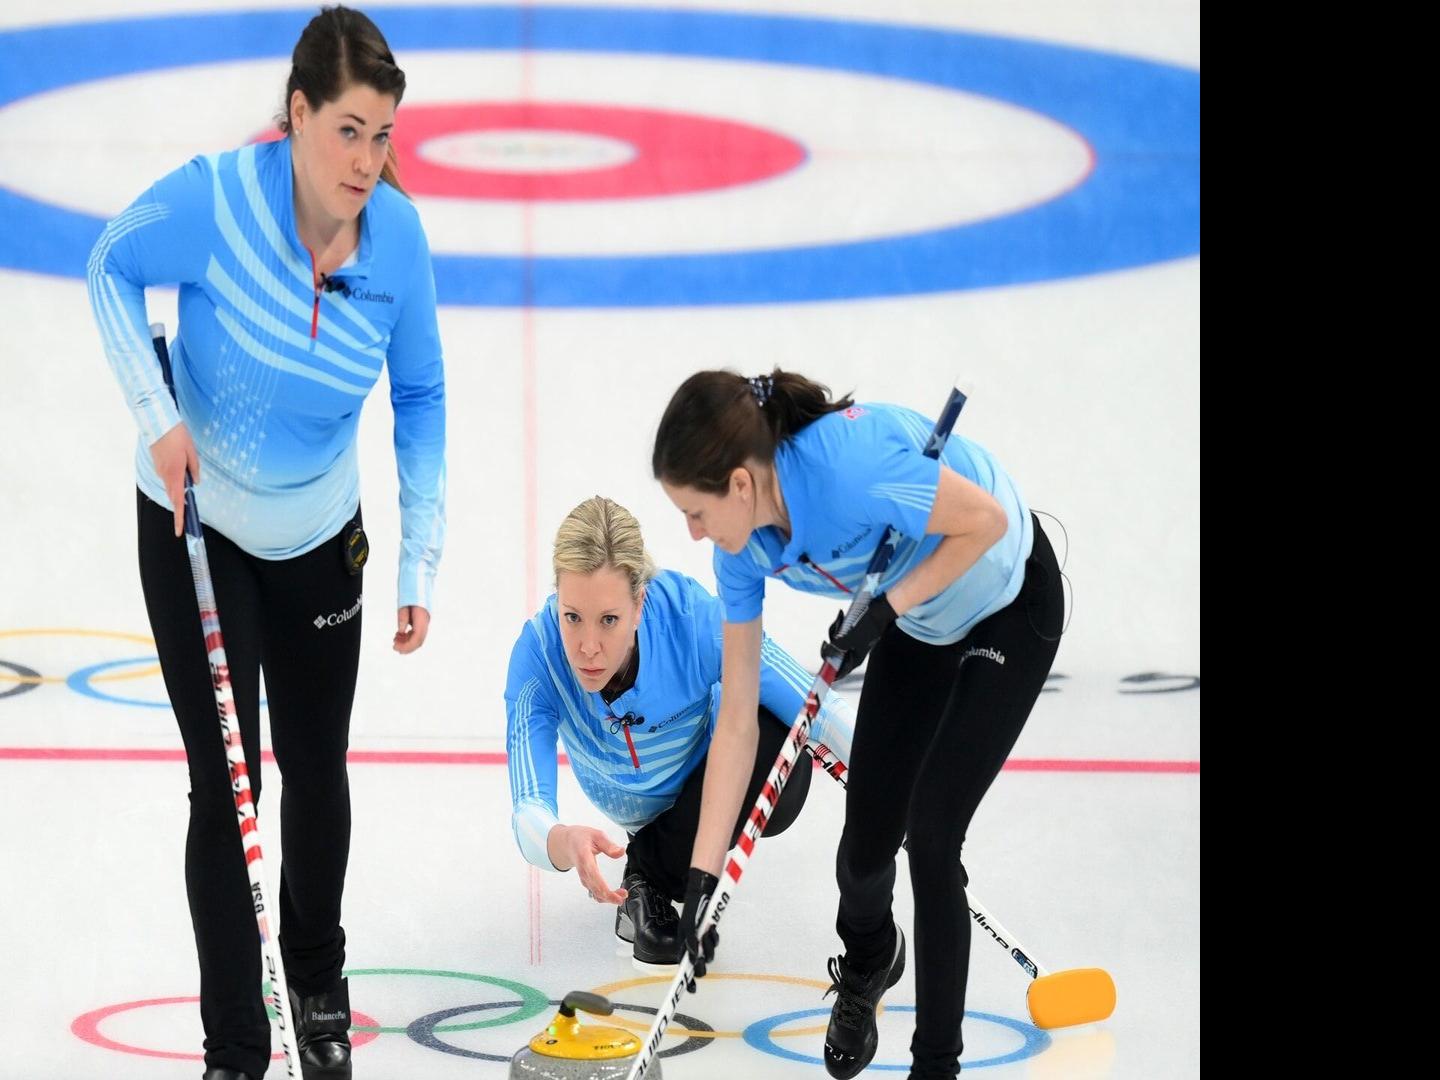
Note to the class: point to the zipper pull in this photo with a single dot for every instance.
(634, 757)
(315, 316)
(807, 561)
(624, 723)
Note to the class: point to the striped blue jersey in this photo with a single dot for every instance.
(845, 477)
(270, 373)
(677, 693)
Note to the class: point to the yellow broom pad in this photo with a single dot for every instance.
(1078, 996)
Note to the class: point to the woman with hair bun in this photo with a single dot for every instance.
(792, 485)
(303, 272)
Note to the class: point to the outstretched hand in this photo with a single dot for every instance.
(577, 846)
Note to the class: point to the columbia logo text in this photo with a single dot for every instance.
(663, 724)
(352, 293)
(848, 544)
(987, 653)
(322, 621)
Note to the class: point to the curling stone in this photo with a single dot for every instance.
(570, 1050)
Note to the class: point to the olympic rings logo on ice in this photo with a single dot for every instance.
(529, 1003)
(93, 680)
(17, 678)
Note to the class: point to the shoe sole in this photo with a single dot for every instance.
(653, 968)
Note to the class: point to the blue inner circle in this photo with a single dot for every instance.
(1140, 205)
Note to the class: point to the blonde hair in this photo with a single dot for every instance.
(599, 533)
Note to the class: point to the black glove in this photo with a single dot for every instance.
(856, 645)
(699, 888)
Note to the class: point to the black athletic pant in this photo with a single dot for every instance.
(299, 619)
(660, 851)
(934, 725)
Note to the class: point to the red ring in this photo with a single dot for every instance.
(675, 153)
(87, 1027)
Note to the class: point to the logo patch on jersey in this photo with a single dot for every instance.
(351, 293)
(848, 545)
(853, 413)
(688, 709)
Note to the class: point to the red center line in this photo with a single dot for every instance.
(498, 757)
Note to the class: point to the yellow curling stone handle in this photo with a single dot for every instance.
(567, 1038)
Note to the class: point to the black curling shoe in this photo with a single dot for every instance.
(322, 1031)
(649, 921)
(851, 1039)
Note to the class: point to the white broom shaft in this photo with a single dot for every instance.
(240, 784)
(739, 857)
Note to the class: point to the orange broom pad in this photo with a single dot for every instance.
(1065, 998)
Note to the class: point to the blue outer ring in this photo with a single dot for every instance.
(1140, 205)
(758, 1036)
(79, 681)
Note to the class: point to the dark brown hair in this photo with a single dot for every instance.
(718, 421)
(340, 48)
